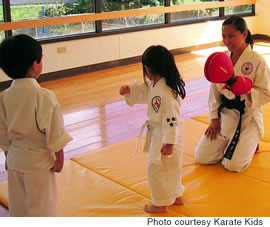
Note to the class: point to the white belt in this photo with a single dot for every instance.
(148, 138)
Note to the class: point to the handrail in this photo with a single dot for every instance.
(118, 14)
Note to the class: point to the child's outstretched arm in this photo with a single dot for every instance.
(59, 162)
(124, 90)
(135, 93)
(167, 149)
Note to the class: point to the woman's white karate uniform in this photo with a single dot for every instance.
(251, 65)
(165, 126)
(31, 130)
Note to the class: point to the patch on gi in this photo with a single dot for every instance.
(247, 68)
(156, 102)
(172, 121)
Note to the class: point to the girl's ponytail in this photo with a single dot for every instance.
(172, 75)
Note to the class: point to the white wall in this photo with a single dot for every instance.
(108, 48)
(120, 46)
(263, 17)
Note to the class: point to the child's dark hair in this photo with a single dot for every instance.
(18, 53)
(161, 62)
(241, 26)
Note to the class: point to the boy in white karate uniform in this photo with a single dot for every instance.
(165, 128)
(32, 131)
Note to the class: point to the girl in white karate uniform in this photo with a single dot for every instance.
(246, 63)
(32, 132)
(165, 128)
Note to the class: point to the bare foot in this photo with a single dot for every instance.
(178, 201)
(155, 209)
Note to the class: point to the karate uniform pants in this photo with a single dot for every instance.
(164, 179)
(32, 194)
(210, 152)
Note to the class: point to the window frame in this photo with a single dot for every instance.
(98, 24)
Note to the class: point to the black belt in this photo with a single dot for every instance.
(240, 106)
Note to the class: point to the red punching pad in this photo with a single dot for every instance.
(218, 68)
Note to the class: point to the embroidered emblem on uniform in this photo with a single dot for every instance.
(247, 68)
(172, 121)
(156, 102)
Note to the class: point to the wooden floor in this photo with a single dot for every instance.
(97, 116)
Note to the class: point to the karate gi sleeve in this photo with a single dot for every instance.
(4, 140)
(213, 101)
(171, 121)
(138, 93)
(260, 93)
(50, 121)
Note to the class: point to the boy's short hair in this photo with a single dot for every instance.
(18, 53)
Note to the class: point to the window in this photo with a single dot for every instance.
(32, 10)
(194, 14)
(2, 34)
(238, 9)
(118, 5)
(21, 10)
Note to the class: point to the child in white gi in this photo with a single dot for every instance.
(32, 132)
(219, 134)
(165, 128)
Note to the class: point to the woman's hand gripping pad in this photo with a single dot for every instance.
(241, 86)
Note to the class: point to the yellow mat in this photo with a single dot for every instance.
(85, 193)
(210, 190)
(112, 182)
